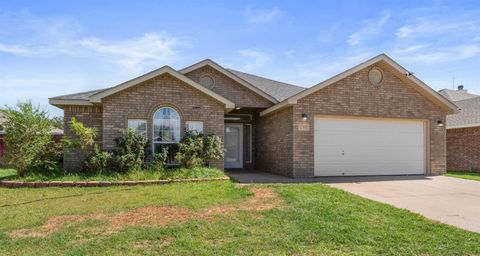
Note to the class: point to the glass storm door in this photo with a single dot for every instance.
(233, 145)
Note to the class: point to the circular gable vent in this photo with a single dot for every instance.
(207, 81)
(375, 76)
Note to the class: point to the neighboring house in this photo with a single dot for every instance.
(463, 131)
(373, 119)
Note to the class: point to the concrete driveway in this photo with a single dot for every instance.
(449, 200)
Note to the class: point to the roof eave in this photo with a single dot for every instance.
(63, 102)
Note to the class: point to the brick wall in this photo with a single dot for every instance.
(355, 96)
(228, 88)
(274, 143)
(141, 101)
(73, 160)
(463, 149)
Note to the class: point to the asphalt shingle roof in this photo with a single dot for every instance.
(456, 95)
(469, 113)
(80, 95)
(279, 90)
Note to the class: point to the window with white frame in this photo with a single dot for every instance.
(166, 128)
(194, 126)
(139, 126)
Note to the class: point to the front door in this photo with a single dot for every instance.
(233, 145)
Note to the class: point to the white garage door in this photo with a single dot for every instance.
(350, 147)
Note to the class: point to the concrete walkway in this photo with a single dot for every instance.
(449, 200)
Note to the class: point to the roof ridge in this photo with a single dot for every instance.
(266, 78)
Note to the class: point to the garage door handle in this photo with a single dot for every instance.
(343, 153)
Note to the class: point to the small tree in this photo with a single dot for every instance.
(27, 135)
(83, 137)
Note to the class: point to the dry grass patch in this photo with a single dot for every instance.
(262, 199)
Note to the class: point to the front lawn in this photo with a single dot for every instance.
(217, 218)
(464, 175)
(179, 173)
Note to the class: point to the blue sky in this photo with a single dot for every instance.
(50, 48)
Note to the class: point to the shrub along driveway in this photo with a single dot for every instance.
(449, 200)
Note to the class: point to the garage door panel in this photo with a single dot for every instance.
(368, 147)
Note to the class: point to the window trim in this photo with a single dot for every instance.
(153, 127)
(139, 119)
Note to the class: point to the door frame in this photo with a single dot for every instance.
(240, 164)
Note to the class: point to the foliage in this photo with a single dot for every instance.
(159, 160)
(58, 122)
(131, 150)
(97, 160)
(83, 137)
(148, 174)
(28, 137)
(49, 159)
(190, 150)
(213, 148)
(196, 149)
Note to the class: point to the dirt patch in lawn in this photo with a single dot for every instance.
(262, 199)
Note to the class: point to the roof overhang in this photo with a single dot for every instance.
(97, 98)
(63, 102)
(420, 86)
(208, 62)
(463, 126)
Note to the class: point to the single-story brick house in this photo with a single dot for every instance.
(463, 131)
(373, 119)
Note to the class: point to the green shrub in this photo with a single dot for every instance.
(196, 150)
(131, 151)
(28, 138)
(190, 150)
(97, 160)
(159, 160)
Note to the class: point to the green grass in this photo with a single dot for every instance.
(7, 173)
(464, 175)
(313, 220)
(181, 173)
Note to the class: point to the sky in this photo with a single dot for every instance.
(51, 48)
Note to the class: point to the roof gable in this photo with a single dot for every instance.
(420, 86)
(95, 97)
(212, 64)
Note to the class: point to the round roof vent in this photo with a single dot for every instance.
(207, 81)
(375, 76)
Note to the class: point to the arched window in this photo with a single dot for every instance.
(166, 128)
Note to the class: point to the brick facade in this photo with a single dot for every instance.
(356, 96)
(141, 101)
(275, 143)
(228, 88)
(73, 160)
(463, 149)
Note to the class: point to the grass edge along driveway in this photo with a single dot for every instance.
(312, 219)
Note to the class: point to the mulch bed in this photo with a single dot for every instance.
(43, 184)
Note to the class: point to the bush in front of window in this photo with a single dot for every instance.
(130, 154)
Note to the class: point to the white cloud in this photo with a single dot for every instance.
(257, 16)
(370, 29)
(135, 53)
(14, 49)
(439, 55)
(422, 27)
(256, 59)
